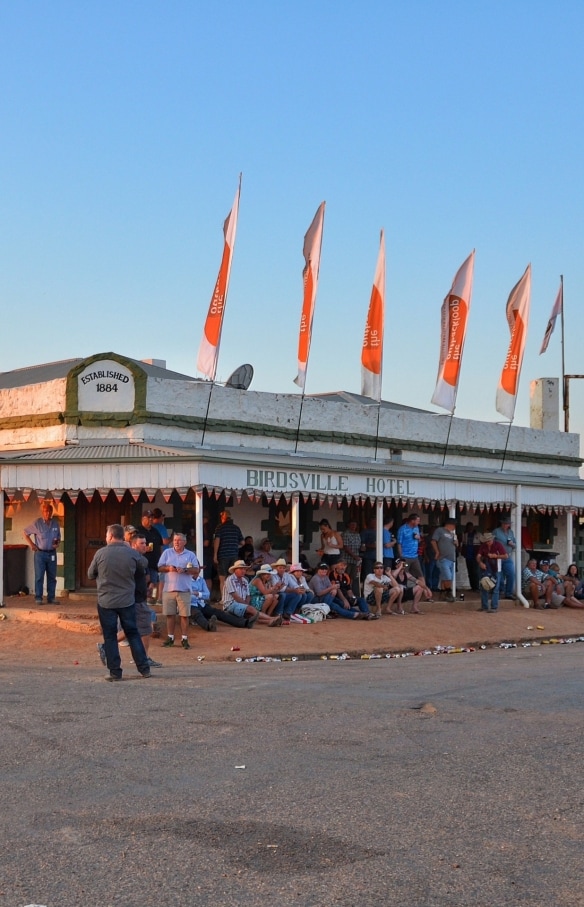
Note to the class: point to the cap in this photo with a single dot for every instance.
(544, 562)
(323, 566)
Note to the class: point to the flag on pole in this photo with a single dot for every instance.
(518, 319)
(209, 348)
(454, 320)
(311, 251)
(557, 310)
(372, 352)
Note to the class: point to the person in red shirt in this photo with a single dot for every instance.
(489, 557)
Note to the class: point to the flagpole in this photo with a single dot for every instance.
(507, 442)
(207, 413)
(448, 435)
(564, 404)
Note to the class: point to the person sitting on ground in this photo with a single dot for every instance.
(413, 588)
(346, 595)
(327, 592)
(299, 573)
(290, 598)
(537, 585)
(204, 615)
(331, 543)
(237, 600)
(263, 597)
(573, 584)
(381, 591)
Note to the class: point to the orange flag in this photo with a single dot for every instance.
(209, 348)
(518, 319)
(311, 251)
(372, 352)
(454, 317)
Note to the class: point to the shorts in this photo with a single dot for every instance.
(174, 603)
(143, 618)
(408, 595)
(556, 600)
(237, 608)
(446, 567)
(414, 567)
(223, 565)
(384, 597)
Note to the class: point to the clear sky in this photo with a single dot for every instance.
(453, 125)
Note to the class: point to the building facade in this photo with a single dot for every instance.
(106, 437)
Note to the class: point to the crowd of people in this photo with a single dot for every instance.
(150, 565)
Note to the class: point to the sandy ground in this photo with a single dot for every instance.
(67, 633)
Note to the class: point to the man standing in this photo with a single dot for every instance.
(490, 556)
(153, 551)
(179, 566)
(352, 551)
(444, 544)
(47, 537)
(408, 543)
(505, 535)
(115, 568)
(228, 538)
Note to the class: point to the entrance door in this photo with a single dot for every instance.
(91, 520)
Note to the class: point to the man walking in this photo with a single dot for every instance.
(47, 537)
(114, 568)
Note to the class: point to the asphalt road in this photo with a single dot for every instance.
(134, 793)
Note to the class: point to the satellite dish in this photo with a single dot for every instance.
(241, 378)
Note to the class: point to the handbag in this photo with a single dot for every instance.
(487, 583)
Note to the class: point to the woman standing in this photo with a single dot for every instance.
(331, 543)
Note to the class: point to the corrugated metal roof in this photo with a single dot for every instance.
(113, 452)
(51, 371)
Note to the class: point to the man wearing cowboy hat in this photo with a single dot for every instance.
(489, 558)
(236, 597)
(290, 597)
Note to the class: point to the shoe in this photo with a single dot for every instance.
(154, 664)
(50, 601)
(449, 598)
(123, 642)
(212, 628)
(185, 643)
(168, 642)
(277, 621)
(113, 677)
(146, 675)
(38, 601)
(101, 650)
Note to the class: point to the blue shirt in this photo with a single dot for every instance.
(408, 544)
(44, 533)
(199, 592)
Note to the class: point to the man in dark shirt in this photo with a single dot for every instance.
(114, 568)
(153, 552)
(228, 538)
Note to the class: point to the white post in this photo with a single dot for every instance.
(452, 515)
(379, 530)
(569, 537)
(517, 531)
(200, 550)
(294, 524)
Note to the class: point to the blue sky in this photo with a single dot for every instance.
(452, 125)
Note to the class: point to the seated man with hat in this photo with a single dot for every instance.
(236, 597)
(290, 596)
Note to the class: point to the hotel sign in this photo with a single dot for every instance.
(327, 483)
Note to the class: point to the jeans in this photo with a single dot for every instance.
(494, 594)
(108, 619)
(288, 603)
(202, 614)
(45, 562)
(508, 578)
(337, 606)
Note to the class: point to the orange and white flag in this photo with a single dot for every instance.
(518, 319)
(209, 348)
(454, 320)
(311, 251)
(372, 352)
(557, 310)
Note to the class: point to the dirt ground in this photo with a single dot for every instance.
(66, 633)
